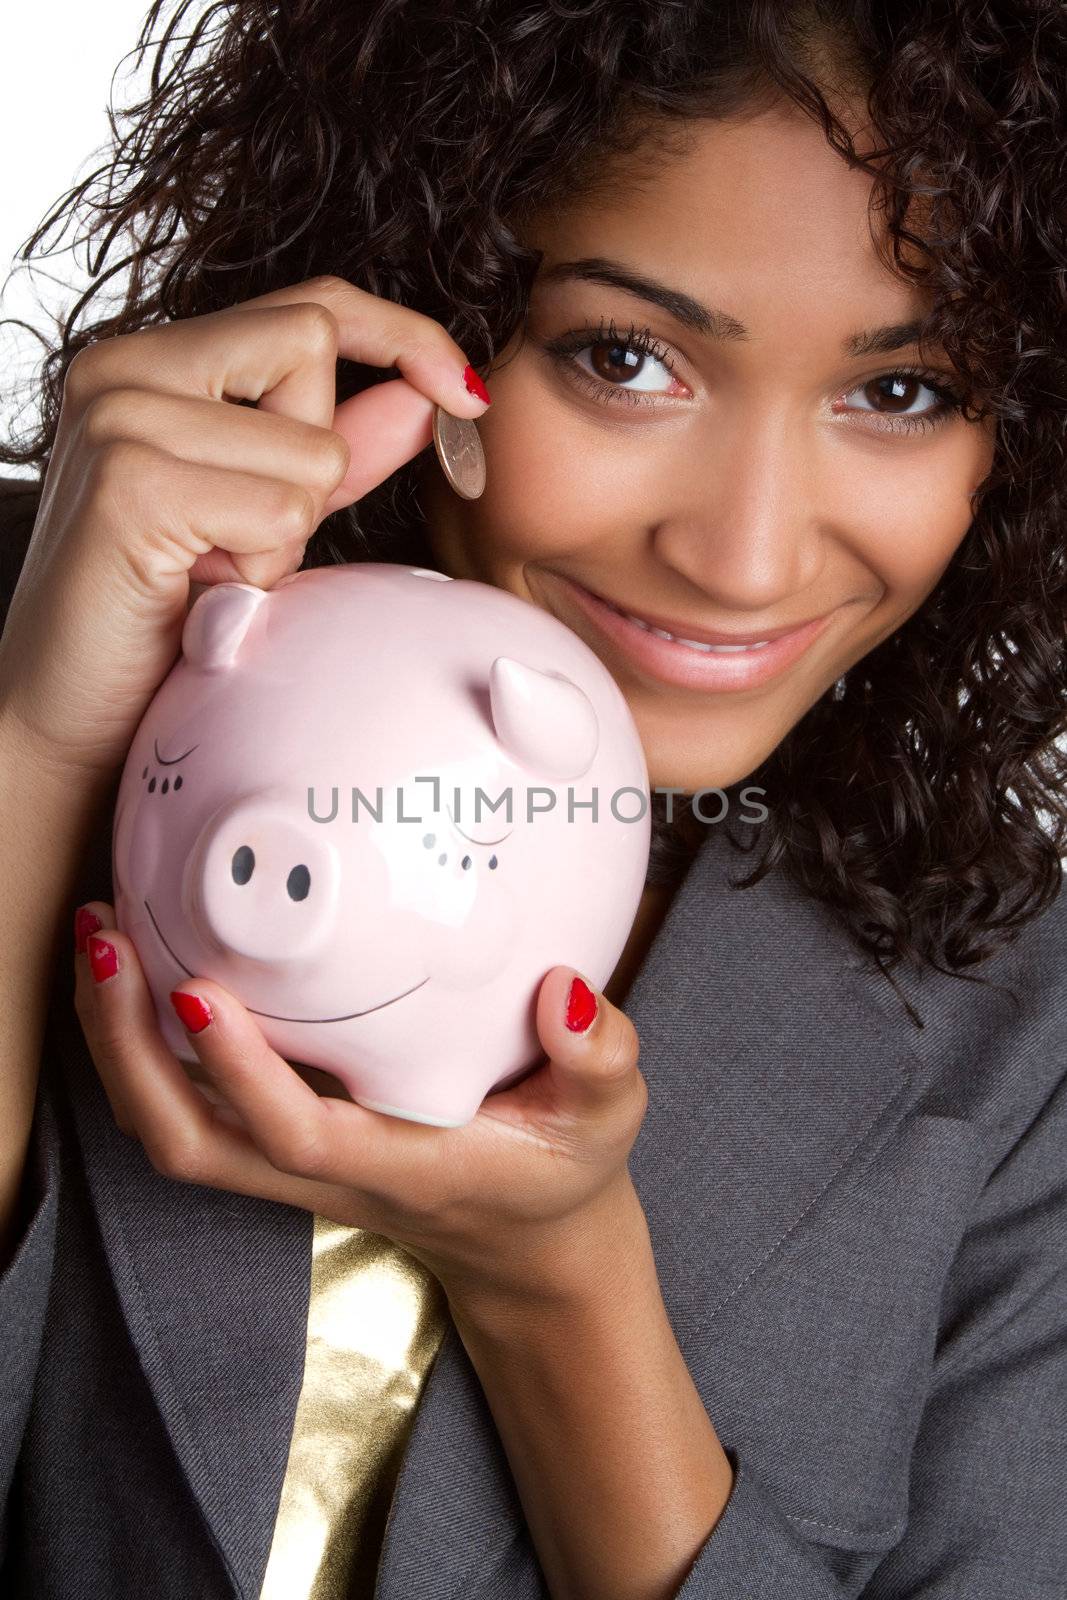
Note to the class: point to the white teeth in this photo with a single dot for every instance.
(693, 644)
(727, 647)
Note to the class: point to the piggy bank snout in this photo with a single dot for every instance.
(261, 884)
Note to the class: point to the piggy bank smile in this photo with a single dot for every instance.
(273, 1015)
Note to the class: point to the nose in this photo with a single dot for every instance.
(746, 522)
(261, 884)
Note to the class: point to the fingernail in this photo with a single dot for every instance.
(193, 1013)
(103, 961)
(85, 923)
(475, 385)
(581, 1006)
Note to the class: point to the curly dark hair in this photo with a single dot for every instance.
(399, 144)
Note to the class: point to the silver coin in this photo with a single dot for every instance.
(459, 450)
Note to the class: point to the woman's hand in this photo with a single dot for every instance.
(159, 479)
(495, 1208)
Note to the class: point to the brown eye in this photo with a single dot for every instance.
(615, 361)
(896, 391)
(613, 366)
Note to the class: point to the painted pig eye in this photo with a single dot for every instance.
(298, 883)
(242, 864)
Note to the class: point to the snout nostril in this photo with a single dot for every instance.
(298, 883)
(242, 864)
(261, 886)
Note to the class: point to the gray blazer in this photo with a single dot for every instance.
(860, 1228)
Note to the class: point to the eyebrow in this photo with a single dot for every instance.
(708, 320)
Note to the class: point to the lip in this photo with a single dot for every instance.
(693, 669)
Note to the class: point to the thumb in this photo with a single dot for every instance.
(384, 426)
(592, 1046)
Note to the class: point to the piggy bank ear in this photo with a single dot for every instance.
(217, 623)
(542, 718)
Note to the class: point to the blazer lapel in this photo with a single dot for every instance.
(773, 1055)
(214, 1288)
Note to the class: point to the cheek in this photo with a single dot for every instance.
(906, 524)
(559, 481)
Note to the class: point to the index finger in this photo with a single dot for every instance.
(178, 1125)
(280, 351)
(382, 333)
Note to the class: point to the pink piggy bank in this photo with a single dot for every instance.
(377, 805)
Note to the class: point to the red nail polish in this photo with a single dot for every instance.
(193, 1013)
(85, 923)
(581, 1006)
(475, 385)
(103, 961)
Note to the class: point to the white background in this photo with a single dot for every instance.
(57, 60)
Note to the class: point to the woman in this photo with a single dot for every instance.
(769, 299)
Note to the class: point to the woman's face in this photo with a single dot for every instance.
(752, 470)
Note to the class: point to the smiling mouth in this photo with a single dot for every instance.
(271, 1015)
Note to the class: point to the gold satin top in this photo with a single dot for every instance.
(375, 1322)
